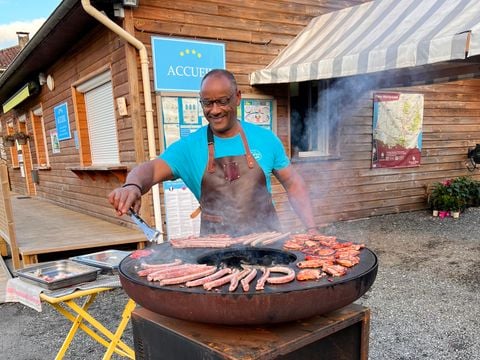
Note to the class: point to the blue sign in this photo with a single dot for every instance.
(61, 122)
(179, 65)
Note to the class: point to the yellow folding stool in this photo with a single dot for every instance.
(78, 315)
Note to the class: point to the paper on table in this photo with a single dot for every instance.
(24, 293)
(29, 294)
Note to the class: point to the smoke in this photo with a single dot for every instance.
(318, 108)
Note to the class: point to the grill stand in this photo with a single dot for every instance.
(341, 334)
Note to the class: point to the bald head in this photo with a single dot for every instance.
(221, 73)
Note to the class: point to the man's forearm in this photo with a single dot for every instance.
(141, 175)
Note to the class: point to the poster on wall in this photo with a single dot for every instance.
(179, 204)
(184, 115)
(257, 111)
(55, 142)
(62, 122)
(397, 130)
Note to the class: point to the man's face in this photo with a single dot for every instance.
(219, 102)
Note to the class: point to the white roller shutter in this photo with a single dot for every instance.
(102, 126)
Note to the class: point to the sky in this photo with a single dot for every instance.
(22, 15)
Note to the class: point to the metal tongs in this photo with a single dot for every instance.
(151, 233)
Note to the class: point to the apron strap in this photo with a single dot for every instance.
(211, 151)
(248, 154)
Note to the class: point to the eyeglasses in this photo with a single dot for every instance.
(224, 101)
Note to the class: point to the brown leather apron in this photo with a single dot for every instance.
(235, 199)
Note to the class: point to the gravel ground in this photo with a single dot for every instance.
(425, 301)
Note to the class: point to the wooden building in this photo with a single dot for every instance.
(99, 59)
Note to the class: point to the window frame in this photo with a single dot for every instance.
(79, 89)
(40, 138)
(319, 100)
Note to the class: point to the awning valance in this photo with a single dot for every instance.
(376, 36)
(16, 99)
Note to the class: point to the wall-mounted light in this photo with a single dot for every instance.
(131, 3)
(118, 11)
(50, 83)
(42, 79)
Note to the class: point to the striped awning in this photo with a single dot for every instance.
(376, 36)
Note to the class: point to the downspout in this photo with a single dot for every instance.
(147, 94)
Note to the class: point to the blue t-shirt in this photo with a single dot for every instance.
(188, 156)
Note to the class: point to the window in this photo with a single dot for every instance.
(10, 130)
(96, 122)
(313, 119)
(38, 129)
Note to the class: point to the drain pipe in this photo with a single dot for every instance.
(147, 95)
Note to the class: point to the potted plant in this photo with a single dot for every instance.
(439, 198)
(8, 140)
(458, 204)
(21, 138)
(445, 204)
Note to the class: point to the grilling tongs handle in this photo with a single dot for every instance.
(151, 233)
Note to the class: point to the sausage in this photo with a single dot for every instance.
(261, 282)
(219, 282)
(159, 266)
(212, 277)
(290, 275)
(248, 279)
(182, 279)
(275, 238)
(151, 270)
(236, 279)
(169, 273)
(259, 237)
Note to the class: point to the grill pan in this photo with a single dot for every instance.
(277, 303)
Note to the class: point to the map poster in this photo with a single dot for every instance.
(397, 130)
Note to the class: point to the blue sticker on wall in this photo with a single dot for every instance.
(62, 122)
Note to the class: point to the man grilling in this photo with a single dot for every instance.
(227, 165)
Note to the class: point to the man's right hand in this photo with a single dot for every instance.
(124, 198)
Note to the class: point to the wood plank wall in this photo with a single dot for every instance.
(100, 48)
(348, 188)
(254, 32)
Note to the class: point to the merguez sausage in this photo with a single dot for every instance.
(182, 279)
(212, 277)
(290, 275)
(160, 266)
(219, 282)
(151, 270)
(248, 279)
(261, 282)
(160, 275)
(236, 279)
